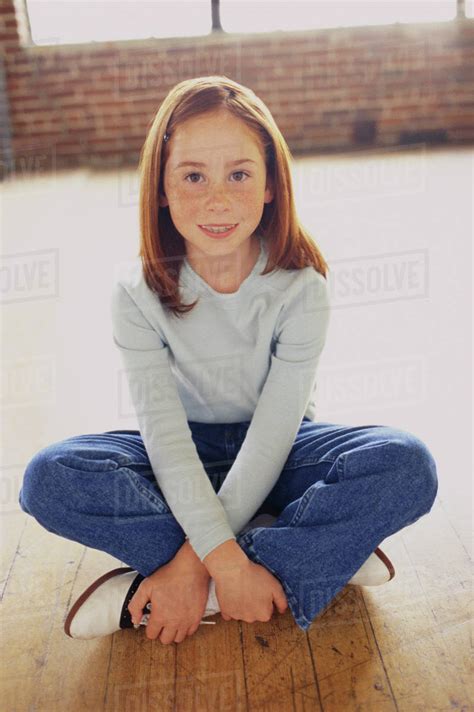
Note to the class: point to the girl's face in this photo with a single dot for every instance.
(228, 186)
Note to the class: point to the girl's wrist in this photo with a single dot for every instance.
(227, 557)
(187, 553)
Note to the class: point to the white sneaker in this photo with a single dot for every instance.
(375, 571)
(102, 609)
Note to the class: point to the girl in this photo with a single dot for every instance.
(220, 323)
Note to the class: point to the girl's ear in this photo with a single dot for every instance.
(162, 200)
(269, 192)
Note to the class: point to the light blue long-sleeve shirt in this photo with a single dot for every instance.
(251, 355)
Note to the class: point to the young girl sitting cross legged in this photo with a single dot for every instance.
(231, 496)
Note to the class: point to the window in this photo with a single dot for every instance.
(75, 21)
(268, 15)
(71, 21)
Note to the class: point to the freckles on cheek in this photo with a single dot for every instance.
(181, 191)
(190, 204)
(181, 199)
(253, 195)
(185, 210)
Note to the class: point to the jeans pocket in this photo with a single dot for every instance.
(85, 464)
(363, 461)
(151, 492)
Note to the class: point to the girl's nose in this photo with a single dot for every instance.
(218, 199)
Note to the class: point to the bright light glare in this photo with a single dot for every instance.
(75, 21)
(469, 8)
(271, 15)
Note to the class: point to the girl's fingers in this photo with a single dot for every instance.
(168, 635)
(137, 604)
(192, 629)
(154, 629)
(181, 635)
(279, 598)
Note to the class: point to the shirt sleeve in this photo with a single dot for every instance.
(300, 337)
(164, 427)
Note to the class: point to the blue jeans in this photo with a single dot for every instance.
(342, 491)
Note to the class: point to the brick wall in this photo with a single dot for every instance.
(329, 90)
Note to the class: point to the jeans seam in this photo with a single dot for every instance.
(309, 461)
(150, 496)
(340, 466)
(229, 444)
(310, 491)
(301, 507)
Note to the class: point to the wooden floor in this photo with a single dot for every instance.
(402, 646)
(398, 356)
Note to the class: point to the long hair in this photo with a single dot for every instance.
(162, 247)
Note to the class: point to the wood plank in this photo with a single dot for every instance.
(11, 531)
(349, 667)
(210, 672)
(457, 508)
(420, 616)
(131, 673)
(278, 666)
(38, 586)
(83, 663)
(407, 644)
(12, 520)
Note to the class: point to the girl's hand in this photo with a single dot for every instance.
(178, 592)
(248, 593)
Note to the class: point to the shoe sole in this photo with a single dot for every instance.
(383, 557)
(85, 595)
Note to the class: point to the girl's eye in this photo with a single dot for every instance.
(189, 176)
(244, 173)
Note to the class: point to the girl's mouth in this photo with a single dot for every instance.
(217, 231)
